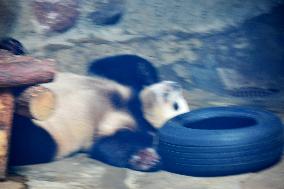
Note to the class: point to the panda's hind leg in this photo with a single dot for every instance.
(128, 149)
(30, 144)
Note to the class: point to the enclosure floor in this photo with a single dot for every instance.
(81, 172)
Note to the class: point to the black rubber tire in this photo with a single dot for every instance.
(221, 141)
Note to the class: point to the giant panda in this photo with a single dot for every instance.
(105, 119)
(113, 116)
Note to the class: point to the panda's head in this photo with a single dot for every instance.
(162, 101)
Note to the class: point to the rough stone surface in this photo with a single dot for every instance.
(107, 12)
(272, 178)
(56, 15)
(157, 16)
(8, 15)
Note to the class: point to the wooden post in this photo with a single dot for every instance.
(16, 72)
(6, 116)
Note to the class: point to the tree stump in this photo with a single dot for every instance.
(32, 101)
(36, 102)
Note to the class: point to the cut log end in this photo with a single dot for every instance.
(36, 102)
(43, 105)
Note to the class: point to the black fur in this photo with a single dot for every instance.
(131, 70)
(30, 144)
(118, 149)
(12, 45)
(133, 106)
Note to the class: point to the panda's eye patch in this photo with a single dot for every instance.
(175, 106)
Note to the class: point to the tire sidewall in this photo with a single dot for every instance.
(266, 128)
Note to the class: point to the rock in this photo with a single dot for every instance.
(107, 12)
(55, 15)
(8, 16)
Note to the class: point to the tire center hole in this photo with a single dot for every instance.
(224, 122)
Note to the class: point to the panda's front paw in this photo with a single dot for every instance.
(145, 160)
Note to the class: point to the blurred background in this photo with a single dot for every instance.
(223, 52)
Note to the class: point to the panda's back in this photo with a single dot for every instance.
(84, 111)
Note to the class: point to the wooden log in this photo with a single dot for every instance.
(36, 102)
(22, 70)
(6, 113)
